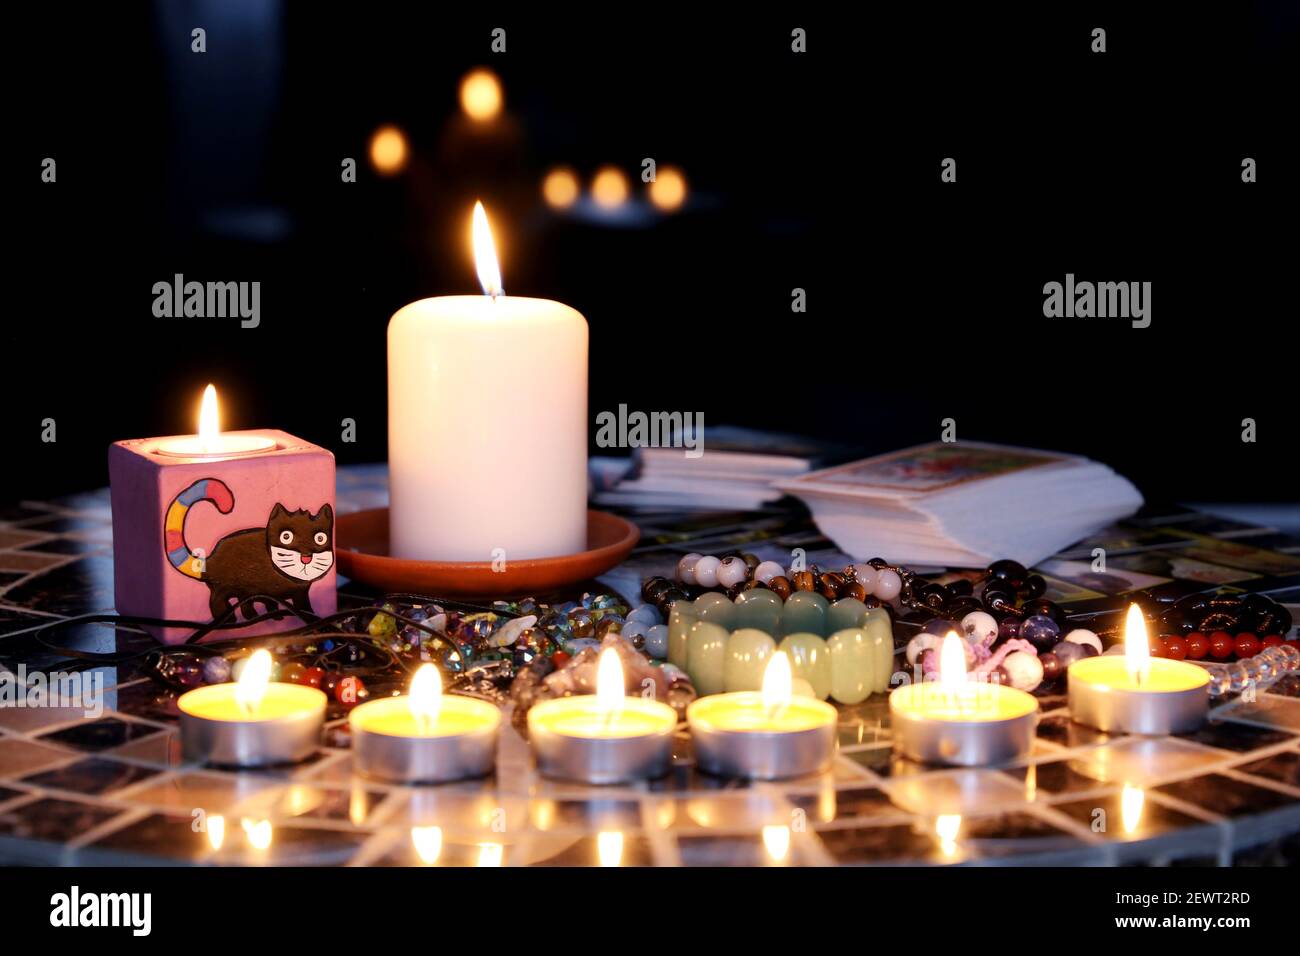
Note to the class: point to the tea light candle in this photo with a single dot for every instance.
(606, 737)
(211, 442)
(254, 722)
(764, 735)
(958, 721)
(425, 737)
(1132, 693)
(201, 523)
(487, 423)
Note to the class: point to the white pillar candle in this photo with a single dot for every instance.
(487, 424)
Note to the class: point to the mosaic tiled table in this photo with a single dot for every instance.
(112, 789)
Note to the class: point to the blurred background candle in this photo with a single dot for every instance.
(1132, 693)
(487, 432)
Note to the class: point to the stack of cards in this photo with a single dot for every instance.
(728, 469)
(963, 504)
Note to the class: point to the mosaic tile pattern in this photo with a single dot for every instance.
(112, 789)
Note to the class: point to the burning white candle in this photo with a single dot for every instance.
(487, 423)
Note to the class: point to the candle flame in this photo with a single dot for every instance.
(209, 422)
(952, 662)
(428, 844)
(252, 682)
(490, 854)
(485, 254)
(425, 699)
(778, 684)
(610, 689)
(1137, 650)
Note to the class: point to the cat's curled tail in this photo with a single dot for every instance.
(178, 553)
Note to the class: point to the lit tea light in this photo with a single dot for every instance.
(253, 722)
(957, 721)
(211, 442)
(606, 737)
(764, 735)
(1135, 694)
(425, 736)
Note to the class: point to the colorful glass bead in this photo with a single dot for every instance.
(767, 570)
(1246, 645)
(382, 625)
(1066, 653)
(647, 614)
(706, 571)
(656, 641)
(1053, 667)
(216, 670)
(706, 655)
(1221, 645)
(980, 627)
(1176, 647)
(1025, 670)
(1081, 635)
(686, 567)
(732, 572)
(888, 584)
(1198, 645)
(758, 608)
(810, 659)
(350, 691)
(781, 586)
(291, 673)
(748, 653)
(803, 611)
(1041, 631)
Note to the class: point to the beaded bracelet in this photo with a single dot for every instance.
(1008, 589)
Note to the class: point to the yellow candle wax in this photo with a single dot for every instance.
(973, 702)
(217, 702)
(1114, 672)
(746, 711)
(393, 717)
(585, 717)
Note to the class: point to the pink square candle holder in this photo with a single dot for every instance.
(193, 536)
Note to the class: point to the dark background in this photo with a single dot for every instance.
(818, 170)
